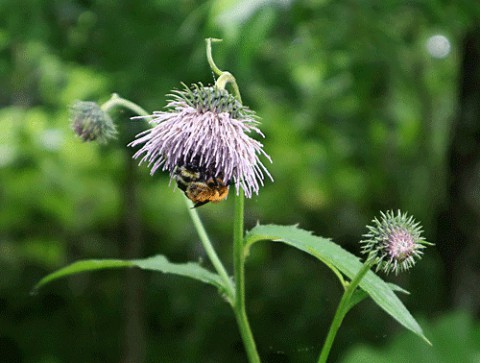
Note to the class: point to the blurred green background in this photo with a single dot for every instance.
(366, 105)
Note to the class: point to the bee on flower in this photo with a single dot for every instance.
(203, 138)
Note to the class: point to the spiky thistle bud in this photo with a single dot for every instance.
(206, 129)
(394, 243)
(91, 123)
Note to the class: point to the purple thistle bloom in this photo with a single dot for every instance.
(394, 243)
(210, 128)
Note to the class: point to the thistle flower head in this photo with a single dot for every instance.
(393, 243)
(210, 129)
(91, 123)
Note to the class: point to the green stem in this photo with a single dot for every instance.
(226, 78)
(238, 237)
(212, 64)
(116, 100)
(239, 273)
(342, 310)
(212, 255)
(230, 292)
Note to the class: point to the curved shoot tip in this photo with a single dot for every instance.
(213, 40)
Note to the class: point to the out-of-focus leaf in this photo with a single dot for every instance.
(454, 339)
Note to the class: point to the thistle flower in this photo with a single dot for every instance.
(207, 128)
(393, 243)
(91, 123)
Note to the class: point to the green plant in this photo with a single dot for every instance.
(205, 131)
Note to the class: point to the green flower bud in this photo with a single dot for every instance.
(91, 123)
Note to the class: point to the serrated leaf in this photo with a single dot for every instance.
(189, 269)
(332, 254)
(155, 263)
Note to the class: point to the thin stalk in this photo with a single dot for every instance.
(116, 100)
(342, 310)
(211, 63)
(239, 273)
(211, 253)
(226, 78)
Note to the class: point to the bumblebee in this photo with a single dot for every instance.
(200, 184)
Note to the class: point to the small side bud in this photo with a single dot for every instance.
(91, 123)
(394, 243)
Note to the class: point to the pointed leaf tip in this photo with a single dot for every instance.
(156, 263)
(348, 264)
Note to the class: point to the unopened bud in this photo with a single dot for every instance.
(91, 123)
(393, 243)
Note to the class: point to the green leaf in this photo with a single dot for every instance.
(189, 269)
(359, 295)
(349, 264)
(81, 266)
(397, 288)
(157, 263)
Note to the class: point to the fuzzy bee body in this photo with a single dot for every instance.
(200, 185)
